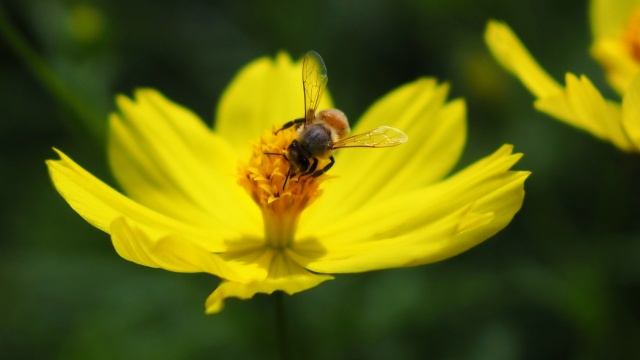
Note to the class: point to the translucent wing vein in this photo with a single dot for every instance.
(384, 136)
(314, 80)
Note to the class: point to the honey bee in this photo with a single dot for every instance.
(320, 133)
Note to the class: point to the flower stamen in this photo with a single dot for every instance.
(264, 177)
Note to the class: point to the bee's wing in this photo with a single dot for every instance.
(384, 136)
(314, 80)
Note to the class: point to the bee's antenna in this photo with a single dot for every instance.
(286, 178)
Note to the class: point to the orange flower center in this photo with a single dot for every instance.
(264, 176)
(631, 36)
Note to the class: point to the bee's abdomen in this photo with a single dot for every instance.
(337, 120)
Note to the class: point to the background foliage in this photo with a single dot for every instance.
(561, 282)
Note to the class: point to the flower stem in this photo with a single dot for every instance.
(87, 120)
(281, 327)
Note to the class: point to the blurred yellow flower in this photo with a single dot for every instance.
(187, 207)
(578, 103)
(615, 25)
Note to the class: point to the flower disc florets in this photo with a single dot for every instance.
(631, 36)
(264, 177)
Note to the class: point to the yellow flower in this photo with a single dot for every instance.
(212, 201)
(615, 25)
(579, 103)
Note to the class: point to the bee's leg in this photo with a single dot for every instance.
(324, 169)
(290, 124)
(311, 168)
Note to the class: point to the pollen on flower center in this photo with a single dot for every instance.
(264, 176)
(631, 36)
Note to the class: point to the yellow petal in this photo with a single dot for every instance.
(436, 132)
(100, 205)
(511, 53)
(582, 106)
(631, 112)
(176, 254)
(167, 159)
(265, 94)
(284, 275)
(422, 226)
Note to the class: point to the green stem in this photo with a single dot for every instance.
(281, 327)
(87, 120)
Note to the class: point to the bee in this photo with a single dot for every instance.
(320, 133)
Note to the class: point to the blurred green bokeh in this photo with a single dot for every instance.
(561, 282)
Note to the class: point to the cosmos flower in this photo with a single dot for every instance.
(579, 103)
(615, 25)
(203, 200)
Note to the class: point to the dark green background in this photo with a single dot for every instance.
(562, 281)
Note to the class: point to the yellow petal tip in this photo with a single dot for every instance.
(473, 221)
